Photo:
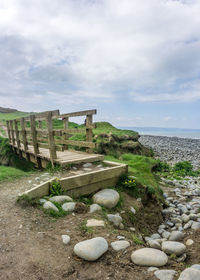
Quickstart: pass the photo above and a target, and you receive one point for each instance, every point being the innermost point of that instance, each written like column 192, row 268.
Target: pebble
column 165, row 274
column 176, row 236
column 190, row 274
column 50, row 205
column 69, row 206
column 65, row 239
column 120, row 245
column 60, row 198
column 95, row 223
column 94, row 208
column 173, row 247
column 149, row 257
column 189, row 242
column 91, row 249
column 116, row 219
column 107, row 197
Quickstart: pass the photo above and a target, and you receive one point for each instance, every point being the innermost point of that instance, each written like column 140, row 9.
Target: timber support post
column 24, row 138
column 89, row 134
column 34, row 140
column 66, row 126
column 17, row 137
column 8, row 130
column 52, row 146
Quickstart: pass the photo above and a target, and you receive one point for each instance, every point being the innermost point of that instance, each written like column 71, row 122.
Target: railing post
column 89, row 135
column 22, row 122
column 12, row 134
column 8, row 130
column 17, row 137
column 40, row 124
column 52, row 146
column 34, row 140
column 66, row 126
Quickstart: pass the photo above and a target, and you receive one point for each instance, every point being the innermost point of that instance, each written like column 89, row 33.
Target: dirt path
column 31, row 247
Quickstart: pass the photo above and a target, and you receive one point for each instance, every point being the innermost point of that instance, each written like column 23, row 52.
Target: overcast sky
column 136, row 61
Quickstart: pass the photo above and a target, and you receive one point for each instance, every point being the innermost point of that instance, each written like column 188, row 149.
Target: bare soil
column 31, row 247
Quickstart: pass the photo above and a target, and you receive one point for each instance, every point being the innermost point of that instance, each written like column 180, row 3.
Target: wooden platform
column 63, row 158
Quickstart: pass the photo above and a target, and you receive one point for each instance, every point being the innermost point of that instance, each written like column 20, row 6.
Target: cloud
column 81, row 52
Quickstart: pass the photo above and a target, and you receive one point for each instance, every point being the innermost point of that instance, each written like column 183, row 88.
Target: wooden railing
column 39, row 132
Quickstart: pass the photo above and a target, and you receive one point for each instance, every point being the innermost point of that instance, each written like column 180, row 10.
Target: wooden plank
column 24, row 138
column 52, row 148
column 89, row 135
column 78, row 114
column 66, row 127
column 34, row 140
column 12, row 133
column 8, row 129
column 76, row 143
column 17, row 134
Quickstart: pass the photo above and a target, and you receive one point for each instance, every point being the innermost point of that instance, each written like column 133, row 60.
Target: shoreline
column 173, row 149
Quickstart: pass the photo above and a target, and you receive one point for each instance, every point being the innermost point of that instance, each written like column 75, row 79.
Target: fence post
column 12, row 134
column 66, row 126
column 34, row 140
column 22, row 122
column 8, row 129
column 89, row 134
column 52, row 146
column 40, row 124
column 17, row 137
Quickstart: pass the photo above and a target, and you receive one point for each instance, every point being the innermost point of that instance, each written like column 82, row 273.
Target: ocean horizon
column 170, row 132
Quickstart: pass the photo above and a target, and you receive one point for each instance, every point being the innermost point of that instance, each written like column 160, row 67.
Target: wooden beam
column 52, row 148
column 34, row 140
column 17, row 136
column 78, row 114
column 12, row 133
column 89, row 135
column 8, row 129
column 77, row 143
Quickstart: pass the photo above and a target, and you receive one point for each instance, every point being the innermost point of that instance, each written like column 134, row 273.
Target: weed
column 137, row 240
column 55, row 188
column 84, row 229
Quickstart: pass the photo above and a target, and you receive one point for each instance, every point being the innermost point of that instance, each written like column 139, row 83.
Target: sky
column 136, row 61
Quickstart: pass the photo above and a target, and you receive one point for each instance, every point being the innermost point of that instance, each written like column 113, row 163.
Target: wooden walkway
column 36, row 139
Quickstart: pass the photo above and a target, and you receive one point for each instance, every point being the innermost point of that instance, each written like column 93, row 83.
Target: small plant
column 129, row 183
column 137, row 240
column 150, row 191
column 55, row 188
column 162, row 166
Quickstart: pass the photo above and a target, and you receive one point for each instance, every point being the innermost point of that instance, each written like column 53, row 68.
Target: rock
column 195, row 225
column 60, row 198
column 152, row 268
column 50, row 205
column 87, row 165
column 120, row 245
column 154, row 244
column 166, row 234
column 91, row 249
column 190, row 274
column 196, row 266
column 173, row 247
column 69, row 206
column 65, row 239
column 165, row 274
column 185, row 218
column 42, row 200
column 116, row 219
column 133, row 210
column 107, row 197
column 189, row 242
column 94, row 208
column 182, row 258
column 149, row 257
column 119, row 237
column 176, row 236
column 155, row 236
column 95, row 223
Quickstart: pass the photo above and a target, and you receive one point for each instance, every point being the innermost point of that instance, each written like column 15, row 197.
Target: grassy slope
column 105, row 127
column 12, row 116
column 11, row 173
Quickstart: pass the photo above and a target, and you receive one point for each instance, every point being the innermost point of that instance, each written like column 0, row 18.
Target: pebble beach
column 173, row 149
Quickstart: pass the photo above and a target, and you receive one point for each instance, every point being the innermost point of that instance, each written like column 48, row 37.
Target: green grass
column 139, row 167
column 106, row 127
column 12, row 116
column 7, row 173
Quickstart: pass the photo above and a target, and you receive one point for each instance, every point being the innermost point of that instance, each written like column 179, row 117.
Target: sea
column 171, row 132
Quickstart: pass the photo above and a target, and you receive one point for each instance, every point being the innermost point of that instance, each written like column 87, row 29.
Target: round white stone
column 176, row 236
column 120, row 245
column 94, row 208
column 173, row 247
column 190, row 274
column 189, row 242
column 69, row 206
column 91, row 249
column 95, row 223
column 50, row 205
column 60, row 198
column 149, row 257
column 65, row 238
column 165, row 274
column 107, row 197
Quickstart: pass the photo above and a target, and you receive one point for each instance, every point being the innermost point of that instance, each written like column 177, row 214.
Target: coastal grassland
column 12, row 116
column 7, row 173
